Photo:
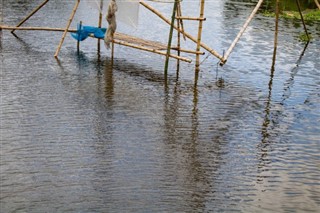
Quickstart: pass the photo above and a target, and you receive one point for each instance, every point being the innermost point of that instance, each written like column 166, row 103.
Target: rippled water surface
column 82, row 134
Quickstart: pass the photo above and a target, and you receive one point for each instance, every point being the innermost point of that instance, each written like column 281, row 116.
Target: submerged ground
column 81, row 135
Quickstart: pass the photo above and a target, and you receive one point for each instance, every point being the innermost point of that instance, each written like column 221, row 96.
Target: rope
column 111, row 19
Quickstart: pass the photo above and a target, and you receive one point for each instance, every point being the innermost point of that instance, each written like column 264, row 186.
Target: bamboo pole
column 190, row 18
column 187, row 51
column 275, row 36
column 31, row 14
column 178, row 37
column 179, row 13
column 317, row 3
column 112, row 50
column 150, row 50
column 302, row 19
column 199, row 34
column 203, row 45
column 100, row 21
column 36, row 29
column 78, row 42
column 255, row 10
column 170, row 37
column 66, row 29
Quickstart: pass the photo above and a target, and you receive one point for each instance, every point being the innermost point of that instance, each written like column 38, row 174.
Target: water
column 81, row 135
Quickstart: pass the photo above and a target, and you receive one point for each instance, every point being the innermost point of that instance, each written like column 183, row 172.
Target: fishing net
column 128, row 10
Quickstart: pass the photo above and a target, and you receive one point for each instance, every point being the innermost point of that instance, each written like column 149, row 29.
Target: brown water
column 80, row 135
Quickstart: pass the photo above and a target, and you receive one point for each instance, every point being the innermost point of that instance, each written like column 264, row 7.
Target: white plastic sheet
column 128, row 10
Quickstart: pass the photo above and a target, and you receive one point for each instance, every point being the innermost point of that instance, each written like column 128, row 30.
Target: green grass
column 304, row 38
column 313, row 15
column 308, row 15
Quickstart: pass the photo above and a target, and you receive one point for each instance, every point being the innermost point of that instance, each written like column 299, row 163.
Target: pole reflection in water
column 273, row 118
column 289, row 83
column 182, row 139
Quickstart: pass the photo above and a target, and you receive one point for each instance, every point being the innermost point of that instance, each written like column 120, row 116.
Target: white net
column 128, row 10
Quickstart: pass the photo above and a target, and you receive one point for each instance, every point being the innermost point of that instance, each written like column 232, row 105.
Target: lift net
column 128, row 10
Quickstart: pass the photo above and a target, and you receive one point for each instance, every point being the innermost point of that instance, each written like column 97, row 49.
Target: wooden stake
column 255, row 10
column 206, row 47
column 100, row 21
column 302, row 19
column 66, row 29
column 78, row 42
column 31, row 14
column 170, row 37
column 275, row 36
column 199, row 34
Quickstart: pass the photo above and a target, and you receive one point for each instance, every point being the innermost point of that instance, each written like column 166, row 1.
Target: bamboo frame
column 66, row 29
column 199, row 34
column 75, row 30
column 31, row 14
column 255, row 10
column 203, row 45
column 178, row 27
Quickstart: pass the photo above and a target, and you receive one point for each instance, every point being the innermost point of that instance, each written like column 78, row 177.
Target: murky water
column 81, row 135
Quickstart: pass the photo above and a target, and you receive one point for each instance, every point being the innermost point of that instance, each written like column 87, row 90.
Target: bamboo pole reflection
column 1, row 38
column 266, row 121
column 267, row 108
column 270, row 117
column 294, row 71
column 109, row 82
column 182, row 136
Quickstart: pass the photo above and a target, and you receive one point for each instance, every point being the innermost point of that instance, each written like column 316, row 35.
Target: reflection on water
column 87, row 134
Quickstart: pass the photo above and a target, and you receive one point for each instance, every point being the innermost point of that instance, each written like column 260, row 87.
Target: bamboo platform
column 120, row 39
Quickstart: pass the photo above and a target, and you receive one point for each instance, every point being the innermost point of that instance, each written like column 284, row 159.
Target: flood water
column 82, row 134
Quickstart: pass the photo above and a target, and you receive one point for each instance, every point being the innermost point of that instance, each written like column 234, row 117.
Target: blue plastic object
column 83, row 32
